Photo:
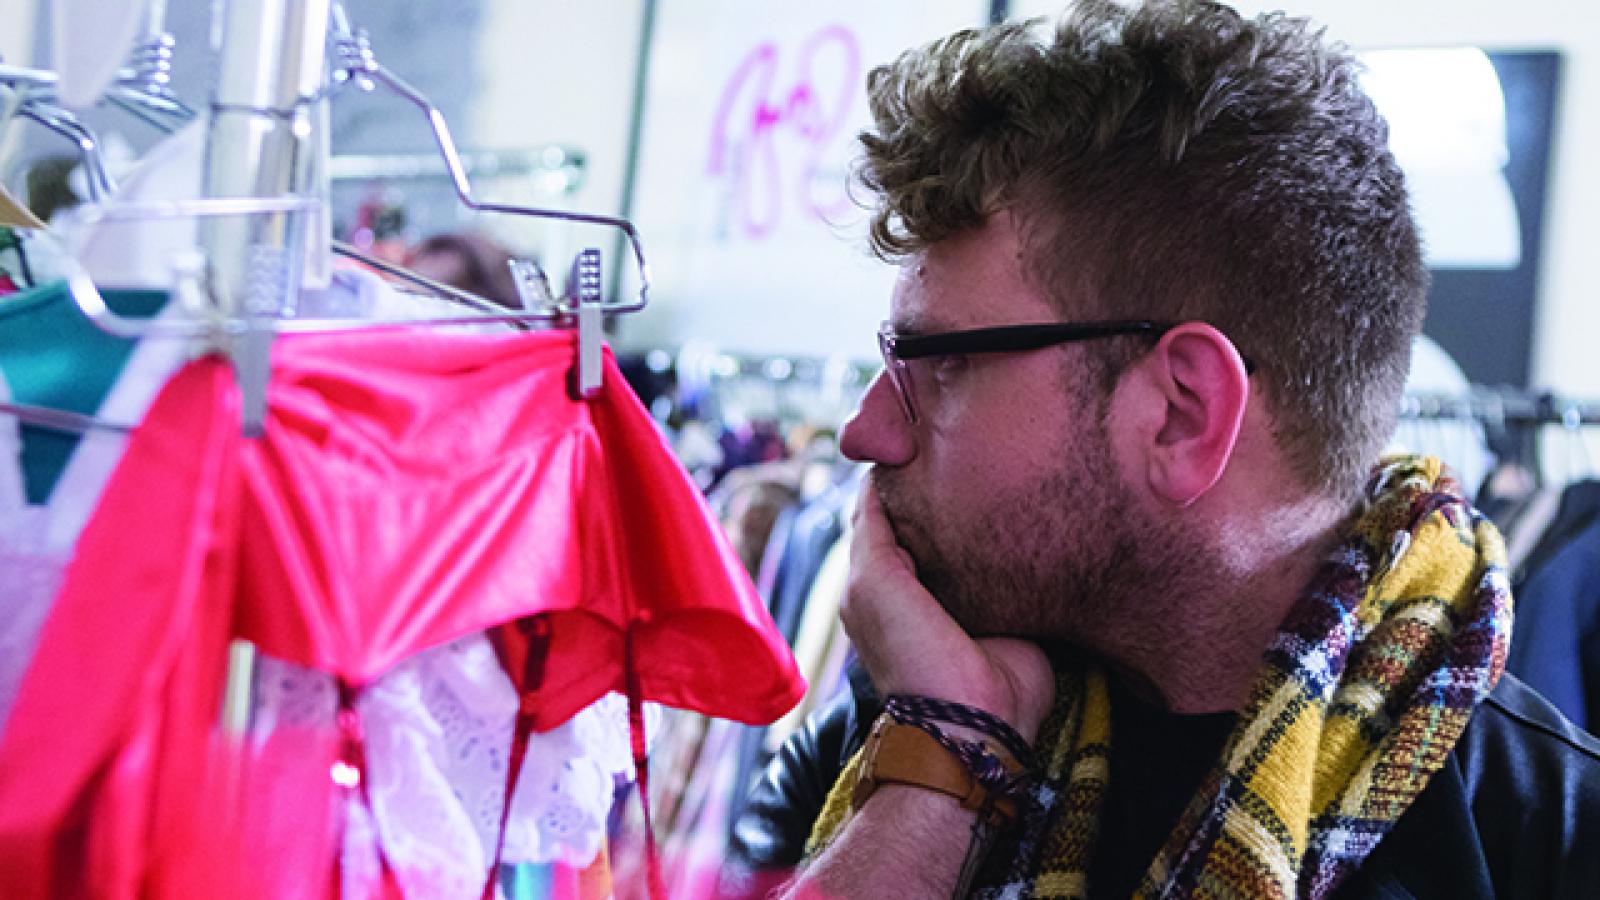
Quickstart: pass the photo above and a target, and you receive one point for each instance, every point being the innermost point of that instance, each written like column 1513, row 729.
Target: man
column 1147, row 619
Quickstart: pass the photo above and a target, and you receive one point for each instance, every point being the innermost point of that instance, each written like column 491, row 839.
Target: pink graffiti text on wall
column 754, row 110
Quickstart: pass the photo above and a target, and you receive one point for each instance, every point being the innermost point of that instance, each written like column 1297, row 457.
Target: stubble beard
column 1065, row 558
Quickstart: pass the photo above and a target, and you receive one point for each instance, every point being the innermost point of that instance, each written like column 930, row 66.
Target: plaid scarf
column 1363, row 693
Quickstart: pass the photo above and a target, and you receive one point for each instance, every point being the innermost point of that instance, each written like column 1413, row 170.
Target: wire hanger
column 142, row 90
column 356, row 64
column 247, row 338
column 438, row 288
column 60, row 419
column 33, row 90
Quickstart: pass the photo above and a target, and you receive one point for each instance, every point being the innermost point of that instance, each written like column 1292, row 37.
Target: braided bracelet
column 990, row 771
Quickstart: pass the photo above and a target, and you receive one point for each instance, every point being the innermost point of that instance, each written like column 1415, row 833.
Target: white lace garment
column 438, row 734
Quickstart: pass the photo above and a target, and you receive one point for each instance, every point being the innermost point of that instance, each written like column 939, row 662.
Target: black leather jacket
column 1514, row 813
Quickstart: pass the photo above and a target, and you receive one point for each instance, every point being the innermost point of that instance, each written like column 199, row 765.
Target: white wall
column 557, row 73
column 561, row 73
column 749, row 133
column 1567, row 312
column 16, row 31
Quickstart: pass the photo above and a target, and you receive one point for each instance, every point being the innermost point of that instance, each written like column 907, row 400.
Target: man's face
column 1006, row 491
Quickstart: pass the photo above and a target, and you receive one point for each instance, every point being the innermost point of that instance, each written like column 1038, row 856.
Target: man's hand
column 910, row 645
column 906, row 841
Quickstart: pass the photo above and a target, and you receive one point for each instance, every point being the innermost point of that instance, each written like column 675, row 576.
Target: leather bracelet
column 984, row 760
column 913, row 709
column 898, row 753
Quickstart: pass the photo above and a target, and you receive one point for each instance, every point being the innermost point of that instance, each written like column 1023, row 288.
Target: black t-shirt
column 1158, row 759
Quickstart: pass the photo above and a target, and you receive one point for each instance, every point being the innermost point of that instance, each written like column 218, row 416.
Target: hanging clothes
column 1555, row 646
column 810, row 535
column 134, row 254
column 1461, row 443
column 32, row 567
column 44, row 515
column 65, row 362
column 410, row 488
column 436, row 729
column 1576, row 509
column 15, row 272
column 749, row 501
column 821, row 648
column 815, row 529
column 53, row 356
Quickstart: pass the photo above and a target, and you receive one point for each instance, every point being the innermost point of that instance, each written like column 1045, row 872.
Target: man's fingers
column 884, row 596
column 871, row 524
column 908, row 642
column 873, row 533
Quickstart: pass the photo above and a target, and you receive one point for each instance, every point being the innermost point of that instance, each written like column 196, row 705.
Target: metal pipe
column 60, row 419
column 155, row 18
column 18, row 75
column 630, row 165
column 270, row 61
column 271, row 58
column 548, row 159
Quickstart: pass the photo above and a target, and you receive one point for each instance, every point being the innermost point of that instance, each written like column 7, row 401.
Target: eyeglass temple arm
column 1015, row 338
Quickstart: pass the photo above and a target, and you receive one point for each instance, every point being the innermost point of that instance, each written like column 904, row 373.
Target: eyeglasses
column 897, row 349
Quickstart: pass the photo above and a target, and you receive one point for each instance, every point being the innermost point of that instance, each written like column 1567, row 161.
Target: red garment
column 411, row 487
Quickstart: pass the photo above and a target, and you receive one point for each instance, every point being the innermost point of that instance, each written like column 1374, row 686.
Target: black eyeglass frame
column 896, row 349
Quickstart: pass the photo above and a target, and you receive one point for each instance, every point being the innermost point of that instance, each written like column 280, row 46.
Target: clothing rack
column 1502, row 406
column 264, row 230
column 556, row 167
column 703, row 363
column 709, row 384
column 263, row 227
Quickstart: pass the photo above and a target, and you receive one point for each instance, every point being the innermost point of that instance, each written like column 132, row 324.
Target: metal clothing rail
column 777, row 367
column 1503, row 406
column 548, row 161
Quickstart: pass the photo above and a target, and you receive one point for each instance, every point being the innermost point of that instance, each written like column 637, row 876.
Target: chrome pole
column 261, row 135
column 260, row 143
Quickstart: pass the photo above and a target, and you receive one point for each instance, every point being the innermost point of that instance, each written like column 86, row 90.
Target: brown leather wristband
column 905, row 754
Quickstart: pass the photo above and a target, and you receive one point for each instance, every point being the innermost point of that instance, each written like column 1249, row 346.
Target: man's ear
column 1200, row 381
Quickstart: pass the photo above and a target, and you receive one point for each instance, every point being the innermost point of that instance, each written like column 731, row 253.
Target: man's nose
column 878, row 432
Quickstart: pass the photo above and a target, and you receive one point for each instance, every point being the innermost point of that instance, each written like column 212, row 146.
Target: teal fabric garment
column 14, row 274
column 51, row 355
